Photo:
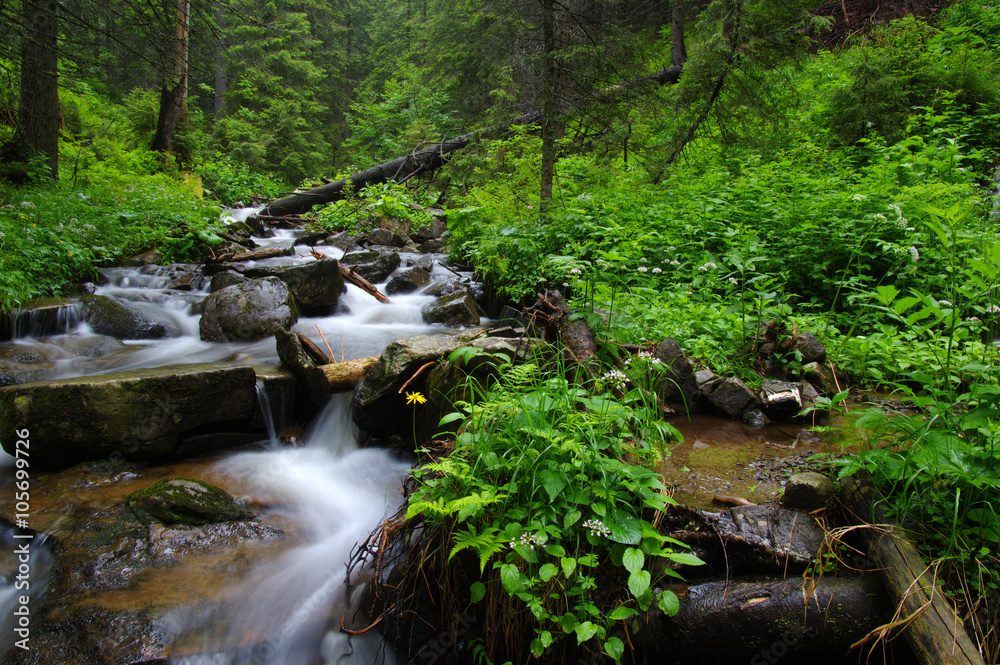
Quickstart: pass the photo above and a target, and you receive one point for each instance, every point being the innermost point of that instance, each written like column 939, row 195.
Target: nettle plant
column 549, row 486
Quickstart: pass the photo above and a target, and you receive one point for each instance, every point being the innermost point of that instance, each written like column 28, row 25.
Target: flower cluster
column 643, row 355
column 526, row 540
column 597, row 528
column 708, row 266
column 993, row 309
column 914, row 254
column 643, row 269
column 616, row 378
column 657, row 271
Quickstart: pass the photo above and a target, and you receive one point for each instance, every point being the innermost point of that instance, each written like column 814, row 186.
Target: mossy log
column 935, row 633
column 362, row 283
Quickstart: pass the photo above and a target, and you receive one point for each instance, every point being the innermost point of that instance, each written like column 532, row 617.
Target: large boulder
column 455, row 310
column 373, row 265
column 139, row 414
column 185, row 501
column 679, row 388
column 250, row 311
column 119, row 318
column 732, row 397
column 315, row 285
column 408, row 281
column 388, row 238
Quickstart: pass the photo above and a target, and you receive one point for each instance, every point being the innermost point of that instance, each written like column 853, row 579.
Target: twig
column 328, row 344
column 363, row 630
column 415, row 375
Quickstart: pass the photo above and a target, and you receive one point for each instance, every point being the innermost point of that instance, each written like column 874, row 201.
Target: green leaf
column 477, row 592
column 638, row 582
column 585, row 631
column 510, row 577
column 572, row 517
column 555, row 549
column 568, row 565
column 669, row 603
column 621, row 613
column 685, row 559
column 623, row 528
column 451, row 417
column 615, row 648
column 633, row 560
column 547, row 571
column 552, row 482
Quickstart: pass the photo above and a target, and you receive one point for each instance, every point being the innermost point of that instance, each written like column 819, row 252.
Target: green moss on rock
column 185, row 501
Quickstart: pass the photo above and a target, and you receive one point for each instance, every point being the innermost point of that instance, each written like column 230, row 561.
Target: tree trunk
column 428, row 159
column 548, row 105
column 221, row 75
column 678, row 52
column 37, row 128
column 173, row 91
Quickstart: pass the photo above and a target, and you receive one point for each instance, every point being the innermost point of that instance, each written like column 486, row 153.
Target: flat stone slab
column 139, row 414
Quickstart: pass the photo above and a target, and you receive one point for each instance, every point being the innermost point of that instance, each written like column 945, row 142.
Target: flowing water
column 271, row 603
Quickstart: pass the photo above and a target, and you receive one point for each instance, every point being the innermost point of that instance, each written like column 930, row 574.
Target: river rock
column 808, row 491
column 455, row 310
column 373, row 265
column 315, row 285
column 246, row 312
column 343, row 241
column 388, row 238
column 185, row 501
column 153, row 257
column 226, row 278
column 770, row 538
column 679, row 388
column 107, row 315
column 138, row 414
column 14, row 373
column 260, row 229
column 822, row 377
column 408, row 281
column 43, row 316
column 812, row 349
column 732, row 397
column 781, row 397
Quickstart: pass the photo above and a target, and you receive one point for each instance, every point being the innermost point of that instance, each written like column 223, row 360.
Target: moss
column 184, row 501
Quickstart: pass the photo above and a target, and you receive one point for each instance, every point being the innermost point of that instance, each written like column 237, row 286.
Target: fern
column 486, row 544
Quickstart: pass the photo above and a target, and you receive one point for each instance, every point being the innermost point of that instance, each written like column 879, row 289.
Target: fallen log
column 256, row 255
column 429, row 158
column 338, row 377
column 362, row 283
column 935, row 633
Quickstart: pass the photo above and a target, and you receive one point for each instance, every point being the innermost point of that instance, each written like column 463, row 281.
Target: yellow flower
column 415, row 398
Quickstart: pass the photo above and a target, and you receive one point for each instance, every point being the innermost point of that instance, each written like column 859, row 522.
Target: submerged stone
column 185, row 501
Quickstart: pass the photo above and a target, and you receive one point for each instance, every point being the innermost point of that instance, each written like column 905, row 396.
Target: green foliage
column 230, row 181
column 388, row 205
column 548, row 482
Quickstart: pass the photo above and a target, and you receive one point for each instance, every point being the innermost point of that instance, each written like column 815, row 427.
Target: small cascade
column 266, row 413
column 47, row 317
column 14, row 584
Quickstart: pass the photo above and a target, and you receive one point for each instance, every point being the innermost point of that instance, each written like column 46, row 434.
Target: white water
column 330, row 492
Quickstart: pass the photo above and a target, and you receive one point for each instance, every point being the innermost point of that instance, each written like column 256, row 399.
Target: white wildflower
column 944, row 303
column 643, row 269
column 993, row 309
column 970, row 319
column 858, row 197
column 914, row 254
column 597, row 528
column 675, row 262
column 734, row 281
column 657, row 271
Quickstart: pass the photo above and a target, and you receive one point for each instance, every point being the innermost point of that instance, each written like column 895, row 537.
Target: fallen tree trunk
column 362, row 283
column 338, row 377
column 935, row 633
column 430, row 158
column 255, row 255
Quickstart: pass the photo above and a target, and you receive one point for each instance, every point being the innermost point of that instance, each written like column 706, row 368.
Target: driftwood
column 429, row 158
column 932, row 628
column 338, row 377
column 256, row 255
column 362, row 283
column 312, row 348
column 289, row 222
column 552, row 312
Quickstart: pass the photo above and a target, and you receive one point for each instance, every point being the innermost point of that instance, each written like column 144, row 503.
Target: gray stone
column 822, row 377
column 388, row 238
column 782, row 536
column 14, row 373
column 315, row 285
column 260, row 229
column 343, row 241
column 408, row 281
column 812, row 349
column 226, row 278
column 185, row 501
column 372, row 265
column 153, row 257
column 755, row 418
column 119, row 318
column 808, row 491
column 438, row 289
column 781, row 397
column 455, row 310
column 246, row 312
column 679, row 388
column 139, row 414
column 732, row 397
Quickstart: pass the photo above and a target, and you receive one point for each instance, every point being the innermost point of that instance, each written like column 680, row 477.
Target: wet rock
column 431, row 231
column 226, row 278
column 408, row 281
column 781, row 397
column 707, row 381
column 388, row 238
column 373, row 265
column 315, row 285
column 808, row 491
column 237, row 238
column 755, row 417
column 455, row 310
column 15, row 373
column 21, row 353
column 138, row 414
column 343, row 241
column 822, row 377
column 153, row 257
column 44, row 316
column 424, row 261
column 246, row 312
column 679, row 389
column 812, row 349
column 773, row 537
column 119, row 318
column 260, row 229
column 732, row 397
column 186, row 502
column 186, row 280
column 431, row 246
column 439, row 289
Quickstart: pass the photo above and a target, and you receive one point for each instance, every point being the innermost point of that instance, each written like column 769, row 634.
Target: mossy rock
column 185, row 501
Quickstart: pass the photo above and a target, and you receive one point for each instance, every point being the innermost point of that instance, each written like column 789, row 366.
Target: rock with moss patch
column 185, row 501
column 125, row 320
column 246, row 312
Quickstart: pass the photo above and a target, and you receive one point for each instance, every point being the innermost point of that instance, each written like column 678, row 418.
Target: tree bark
column 221, row 77
column 428, row 159
column 678, row 52
column 173, row 91
column 338, row 377
column 37, row 128
column 548, row 105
